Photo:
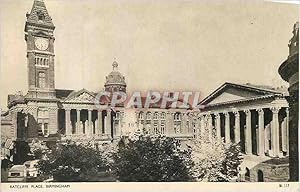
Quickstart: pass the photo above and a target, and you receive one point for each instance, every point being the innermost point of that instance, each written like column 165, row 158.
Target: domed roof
column 115, row 77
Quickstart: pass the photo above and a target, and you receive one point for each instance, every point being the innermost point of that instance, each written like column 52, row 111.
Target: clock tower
column 40, row 52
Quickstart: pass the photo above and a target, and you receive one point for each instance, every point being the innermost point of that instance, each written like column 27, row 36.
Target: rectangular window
column 162, row 127
column 42, row 80
column 46, row 132
column 15, row 174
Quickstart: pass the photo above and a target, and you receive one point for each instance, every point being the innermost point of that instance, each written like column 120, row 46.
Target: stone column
column 227, row 127
column 172, row 131
column 248, row 135
column 137, row 120
column 100, row 126
column 218, row 126
column 275, row 132
column 78, row 122
column 202, row 128
column 108, row 122
column 168, row 123
column 190, row 126
column 210, row 128
column 159, row 122
column 68, row 121
column 89, row 131
column 237, row 127
column 145, row 122
column 183, row 123
column 261, row 133
column 152, row 132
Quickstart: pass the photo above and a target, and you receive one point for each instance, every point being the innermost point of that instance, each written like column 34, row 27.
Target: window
column 162, row 127
column 40, row 16
column 247, row 174
column 155, row 116
column 15, row 174
column 45, row 129
column 177, row 116
column 117, row 115
column 42, row 80
column 260, row 176
column 163, row 115
column 141, row 115
column 148, row 115
column 156, row 131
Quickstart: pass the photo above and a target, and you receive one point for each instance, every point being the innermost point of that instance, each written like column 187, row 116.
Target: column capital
column 287, row 110
column 247, row 111
column 226, row 113
column 217, row 115
column 67, row 109
column 275, row 109
column 260, row 110
column 208, row 116
column 236, row 113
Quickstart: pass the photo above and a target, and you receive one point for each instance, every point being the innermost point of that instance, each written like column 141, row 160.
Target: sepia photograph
column 192, row 92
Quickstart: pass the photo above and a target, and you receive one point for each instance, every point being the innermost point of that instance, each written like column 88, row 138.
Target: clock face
column 41, row 43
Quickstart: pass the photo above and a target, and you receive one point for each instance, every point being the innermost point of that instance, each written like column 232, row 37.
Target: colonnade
column 261, row 131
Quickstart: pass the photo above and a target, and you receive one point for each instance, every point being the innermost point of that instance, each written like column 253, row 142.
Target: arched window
column 148, row 116
column 141, row 115
column 247, row 174
column 260, row 176
column 177, row 117
column 163, row 115
column 42, row 80
column 40, row 16
column 155, row 116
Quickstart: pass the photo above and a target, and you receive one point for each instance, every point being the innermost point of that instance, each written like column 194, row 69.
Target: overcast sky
column 189, row 45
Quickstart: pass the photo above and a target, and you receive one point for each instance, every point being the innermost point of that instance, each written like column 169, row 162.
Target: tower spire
column 115, row 64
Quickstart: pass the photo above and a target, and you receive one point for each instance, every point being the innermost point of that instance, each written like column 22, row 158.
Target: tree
column 215, row 161
column 152, row 159
column 73, row 162
column 38, row 149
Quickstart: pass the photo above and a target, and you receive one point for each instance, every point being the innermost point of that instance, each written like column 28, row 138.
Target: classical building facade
column 254, row 116
column 257, row 118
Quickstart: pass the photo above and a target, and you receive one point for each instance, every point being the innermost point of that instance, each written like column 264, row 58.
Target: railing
column 86, row 136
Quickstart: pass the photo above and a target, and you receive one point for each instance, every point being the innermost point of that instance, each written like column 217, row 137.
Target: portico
column 80, row 118
column 259, row 124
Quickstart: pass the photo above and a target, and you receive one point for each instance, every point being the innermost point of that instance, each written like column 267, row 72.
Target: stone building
column 254, row 116
column 257, row 118
column 51, row 114
column 289, row 71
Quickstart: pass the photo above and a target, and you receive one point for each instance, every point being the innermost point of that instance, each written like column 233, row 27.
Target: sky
column 178, row 45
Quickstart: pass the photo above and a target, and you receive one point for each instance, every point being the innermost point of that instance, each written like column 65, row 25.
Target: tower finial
column 115, row 64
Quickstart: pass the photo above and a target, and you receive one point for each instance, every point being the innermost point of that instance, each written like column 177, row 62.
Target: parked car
column 17, row 174
column 31, row 170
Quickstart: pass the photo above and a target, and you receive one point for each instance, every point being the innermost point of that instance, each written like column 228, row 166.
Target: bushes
column 142, row 158
column 215, row 161
column 72, row 162
column 151, row 159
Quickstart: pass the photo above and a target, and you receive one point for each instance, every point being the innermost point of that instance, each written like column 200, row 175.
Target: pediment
column 82, row 96
column 230, row 92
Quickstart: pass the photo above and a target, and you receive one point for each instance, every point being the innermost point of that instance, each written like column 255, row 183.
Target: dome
column 115, row 81
column 115, row 77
